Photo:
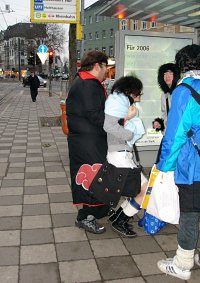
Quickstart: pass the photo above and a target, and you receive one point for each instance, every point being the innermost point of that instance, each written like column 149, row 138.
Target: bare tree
column 56, row 36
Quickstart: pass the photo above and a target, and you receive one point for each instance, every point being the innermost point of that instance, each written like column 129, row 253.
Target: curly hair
column 91, row 58
column 163, row 69
column 128, row 85
column 188, row 58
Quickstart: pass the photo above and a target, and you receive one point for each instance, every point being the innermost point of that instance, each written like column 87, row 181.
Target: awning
column 185, row 12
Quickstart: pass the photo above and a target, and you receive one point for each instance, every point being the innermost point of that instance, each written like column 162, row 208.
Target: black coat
column 34, row 82
column 87, row 141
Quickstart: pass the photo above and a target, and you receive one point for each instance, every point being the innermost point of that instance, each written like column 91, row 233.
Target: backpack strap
column 194, row 93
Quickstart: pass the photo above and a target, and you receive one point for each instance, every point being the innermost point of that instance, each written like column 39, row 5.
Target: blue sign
column 38, row 7
column 43, row 48
column 38, row 1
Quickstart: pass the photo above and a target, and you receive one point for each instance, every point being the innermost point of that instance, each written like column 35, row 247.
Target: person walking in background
column 168, row 76
column 123, row 129
column 34, row 83
column 181, row 153
column 87, row 141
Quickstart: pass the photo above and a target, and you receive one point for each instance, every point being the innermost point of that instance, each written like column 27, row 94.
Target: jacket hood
column 164, row 68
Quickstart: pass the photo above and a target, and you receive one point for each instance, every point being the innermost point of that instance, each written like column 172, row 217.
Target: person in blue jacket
column 180, row 154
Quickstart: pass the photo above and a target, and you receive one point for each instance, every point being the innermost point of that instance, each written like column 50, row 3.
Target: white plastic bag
column 164, row 199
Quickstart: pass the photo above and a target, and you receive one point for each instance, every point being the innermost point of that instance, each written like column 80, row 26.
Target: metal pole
column 82, row 23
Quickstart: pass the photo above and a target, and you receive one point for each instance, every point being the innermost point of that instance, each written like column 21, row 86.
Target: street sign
column 43, row 56
column 43, row 48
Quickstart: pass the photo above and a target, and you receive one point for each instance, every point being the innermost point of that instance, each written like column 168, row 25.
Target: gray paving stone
column 117, row 267
column 163, row 278
column 109, row 234
column 107, row 247
column 36, row 190
column 56, row 189
column 74, row 251
column 38, row 254
column 12, row 183
column 9, row 191
column 16, row 176
column 10, row 200
column 57, row 168
column 36, row 209
column 62, row 208
column 143, row 262
column 62, row 197
column 10, row 238
column 69, row 274
column 167, row 242
column 36, row 221
column 14, row 210
column 64, row 219
column 35, row 175
column 9, row 256
column 16, row 170
column 54, row 181
column 9, row 274
column 32, row 199
column 127, row 280
column 69, row 234
column 37, row 236
column 39, row 273
column 10, row 223
column 34, row 182
column 35, row 169
column 143, row 244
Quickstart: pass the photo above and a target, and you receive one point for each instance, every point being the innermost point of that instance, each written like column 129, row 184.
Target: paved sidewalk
column 38, row 240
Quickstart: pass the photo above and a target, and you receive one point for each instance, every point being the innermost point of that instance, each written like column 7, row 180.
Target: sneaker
column 90, row 225
column 197, row 259
column 169, row 267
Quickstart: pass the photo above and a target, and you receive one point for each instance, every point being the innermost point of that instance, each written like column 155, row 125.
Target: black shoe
column 113, row 215
column 90, row 225
column 121, row 226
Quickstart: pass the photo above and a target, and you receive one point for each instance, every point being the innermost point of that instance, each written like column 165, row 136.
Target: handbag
column 111, row 182
column 164, row 199
column 64, row 117
column 151, row 224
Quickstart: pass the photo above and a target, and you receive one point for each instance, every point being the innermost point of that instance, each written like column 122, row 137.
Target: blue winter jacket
column 178, row 152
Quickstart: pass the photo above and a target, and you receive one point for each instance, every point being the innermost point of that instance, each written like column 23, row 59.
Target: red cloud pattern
column 86, row 174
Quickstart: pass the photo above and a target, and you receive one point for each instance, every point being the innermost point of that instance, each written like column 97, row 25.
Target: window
column 84, row 37
column 96, row 18
column 123, row 24
column 96, row 35
column 90, row 19
column 143, row 25
column 84, row 21
column 154, row 24
column 111, row 53
column 104, row 49
column 104, row 18
column 103, row 33
column 90, row 36
column 22, row 62
column 135, row 25
column 111, row 32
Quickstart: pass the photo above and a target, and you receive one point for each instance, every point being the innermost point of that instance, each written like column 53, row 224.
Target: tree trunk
column 72, row 54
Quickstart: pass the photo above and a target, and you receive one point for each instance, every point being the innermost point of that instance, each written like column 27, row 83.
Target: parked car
column 65, row 77
column 25, row 81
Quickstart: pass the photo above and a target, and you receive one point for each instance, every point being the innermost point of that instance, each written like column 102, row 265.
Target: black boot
column 114, row 214
column 120, row 224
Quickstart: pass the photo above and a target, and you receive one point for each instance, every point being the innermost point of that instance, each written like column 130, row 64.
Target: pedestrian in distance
column 181, row 153
column 124, row 128
column 34, row 83
column 87, row 140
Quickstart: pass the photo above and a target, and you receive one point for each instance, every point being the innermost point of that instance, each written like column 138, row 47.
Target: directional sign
column 43, row 48
column 43, row 56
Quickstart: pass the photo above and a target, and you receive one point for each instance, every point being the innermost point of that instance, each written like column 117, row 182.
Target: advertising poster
column 143, row 55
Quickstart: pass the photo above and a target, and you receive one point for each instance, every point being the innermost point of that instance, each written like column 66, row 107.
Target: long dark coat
column 87, row 141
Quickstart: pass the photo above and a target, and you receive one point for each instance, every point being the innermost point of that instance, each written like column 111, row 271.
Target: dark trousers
column 34, row 93
column 97, row 211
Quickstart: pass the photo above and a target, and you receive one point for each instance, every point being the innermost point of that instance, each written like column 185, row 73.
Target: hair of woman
column 163, row 69
column 128, row 85
column 188, row 58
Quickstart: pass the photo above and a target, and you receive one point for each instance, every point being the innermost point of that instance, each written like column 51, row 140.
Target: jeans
column 188, row 230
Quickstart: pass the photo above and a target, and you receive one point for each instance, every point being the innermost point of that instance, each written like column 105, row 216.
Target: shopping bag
column 153, row 175
column 164, row 199
column 151, row 224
